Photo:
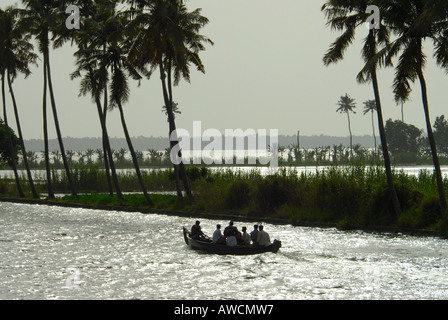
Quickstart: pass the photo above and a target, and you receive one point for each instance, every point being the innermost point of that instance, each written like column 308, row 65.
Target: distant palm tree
column 70, row 155
column 81, row 156
column 16, row 55
column 346, row 105
column 370, row 106
column 99, row 155
column 40, row 18
column 89, row 155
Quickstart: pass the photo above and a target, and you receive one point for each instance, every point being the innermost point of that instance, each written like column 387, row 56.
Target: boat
column 208, row 246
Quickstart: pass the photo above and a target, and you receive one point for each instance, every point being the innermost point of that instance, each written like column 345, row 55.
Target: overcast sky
column 265, row 71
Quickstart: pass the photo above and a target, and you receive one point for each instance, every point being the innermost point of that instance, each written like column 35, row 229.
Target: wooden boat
column 208, row 246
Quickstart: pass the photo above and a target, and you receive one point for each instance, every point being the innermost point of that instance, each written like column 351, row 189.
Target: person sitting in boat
column 230, row 230
column 263, row 238
column 217, row 234
column 254, row 235
column 245, row 237
column 196, row 232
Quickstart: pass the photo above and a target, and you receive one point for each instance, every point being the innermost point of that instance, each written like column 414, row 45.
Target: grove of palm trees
column 161, row 41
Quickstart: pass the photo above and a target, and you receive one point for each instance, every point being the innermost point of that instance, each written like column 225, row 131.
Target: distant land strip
column 160, row 143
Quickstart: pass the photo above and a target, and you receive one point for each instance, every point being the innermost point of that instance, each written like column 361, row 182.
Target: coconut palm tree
column 16, row 55
column 346, row 16
column 105, row 45
column 370, row 106
column 40, row 18
column 167, row 38
column 413, row 22
column 114, row 58
column 5, row 30
column 90, row 40
column 346, row 105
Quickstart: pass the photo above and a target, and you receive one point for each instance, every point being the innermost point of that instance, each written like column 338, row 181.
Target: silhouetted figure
column 254, row 235
column 196, row 232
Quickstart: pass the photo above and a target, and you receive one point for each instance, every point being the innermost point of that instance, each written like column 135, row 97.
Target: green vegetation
column 348, row 197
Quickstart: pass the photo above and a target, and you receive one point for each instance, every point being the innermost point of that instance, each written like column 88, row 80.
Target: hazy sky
column 265, row 71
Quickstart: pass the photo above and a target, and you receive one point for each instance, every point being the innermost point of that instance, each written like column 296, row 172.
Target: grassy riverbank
column 347, row 197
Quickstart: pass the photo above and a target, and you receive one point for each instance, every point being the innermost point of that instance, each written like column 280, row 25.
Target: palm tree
column 413, row 22
column 370, row 106
column 40, row 18
column 402, row 111
column 340, row 17
column 167, row 38
column 70, row 155
column 89, row 155
column 89, row 39
column 16, row 55
column 6, row 26
column 346, row 105
column 114, row 58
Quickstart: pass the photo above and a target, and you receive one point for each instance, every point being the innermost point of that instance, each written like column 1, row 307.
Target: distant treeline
column 161, row 143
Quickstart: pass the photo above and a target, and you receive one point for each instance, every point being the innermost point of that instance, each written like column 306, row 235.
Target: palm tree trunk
column 105, row 144
column 107, row 169
column 387, row 165
column 172, row 125
column 58, row 130
column 182, row 172
column 350, row 131
column 134, row 157
column 374, row 135
column 108, row 149
column 432, row 143
column 402, row 113
column 45, row 124
column 22, row 144
column 10, row 144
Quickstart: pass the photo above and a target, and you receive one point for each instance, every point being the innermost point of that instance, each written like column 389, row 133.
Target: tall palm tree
column 370, row 106
column 114, row 58
column 413, row 22
column 16, row 55
column 346, row 16
column 5, row 27
column 91, row 40
column 167, row 38
column 40, row 18
column 346, row 105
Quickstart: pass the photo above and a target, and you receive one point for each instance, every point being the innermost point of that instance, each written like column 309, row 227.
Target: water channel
column 66, row 253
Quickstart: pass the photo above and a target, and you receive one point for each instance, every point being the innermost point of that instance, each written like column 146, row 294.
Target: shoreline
column 196, row 215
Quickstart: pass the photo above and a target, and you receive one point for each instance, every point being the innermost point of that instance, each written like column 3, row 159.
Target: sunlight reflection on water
column 61, row 253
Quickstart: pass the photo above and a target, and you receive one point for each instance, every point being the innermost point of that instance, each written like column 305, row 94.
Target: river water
column 263, row 170
column 66, row 253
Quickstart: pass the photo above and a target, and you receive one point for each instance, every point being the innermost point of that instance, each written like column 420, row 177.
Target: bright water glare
column 64, row 253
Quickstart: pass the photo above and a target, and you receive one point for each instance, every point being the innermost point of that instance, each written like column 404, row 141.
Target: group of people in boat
column 231, row 236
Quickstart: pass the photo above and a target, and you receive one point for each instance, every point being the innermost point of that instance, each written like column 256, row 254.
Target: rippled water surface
column 60, row 253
